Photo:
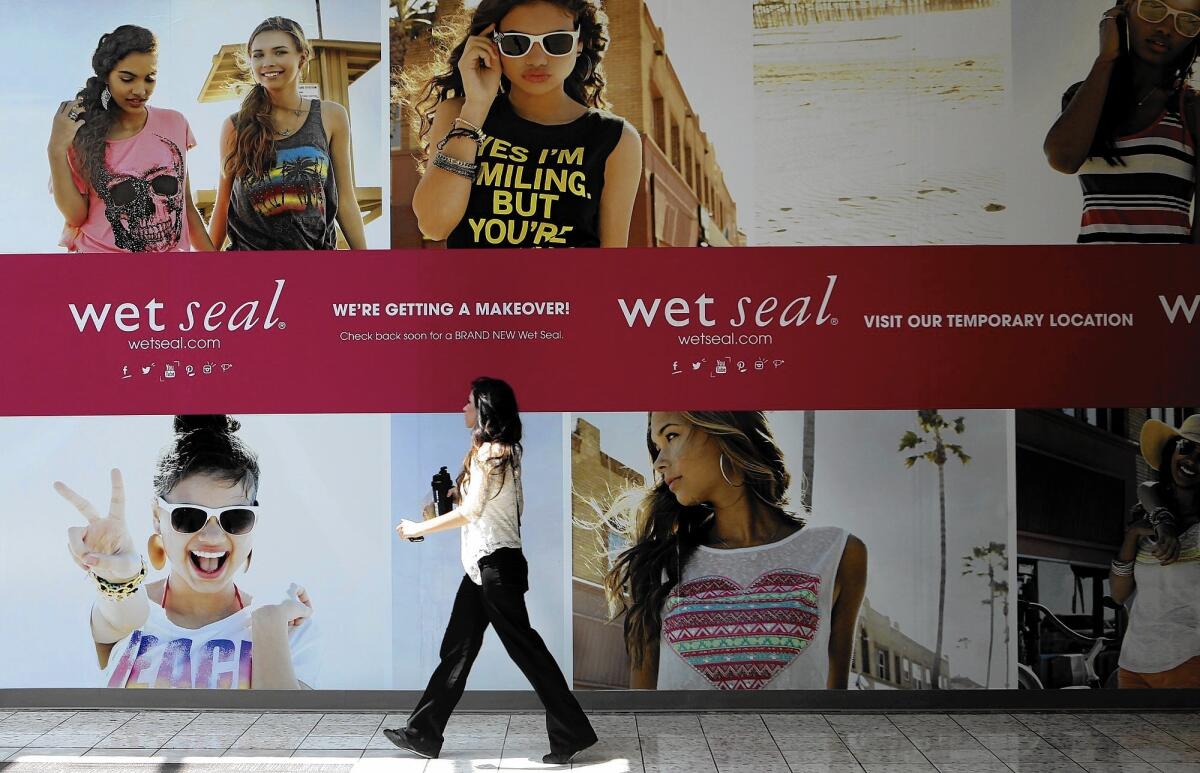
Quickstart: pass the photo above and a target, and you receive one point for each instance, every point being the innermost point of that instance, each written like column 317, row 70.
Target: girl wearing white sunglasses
column 1130, row 129
column 520, row 151
column 194, row 627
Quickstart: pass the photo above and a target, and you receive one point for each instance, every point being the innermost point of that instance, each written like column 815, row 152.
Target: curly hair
column 664, row 533
column 426, row 88
column 89, row 143
column 254, row 147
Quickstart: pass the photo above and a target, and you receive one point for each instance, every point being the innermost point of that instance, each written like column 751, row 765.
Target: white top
column 753, row 618
column 218, row 655
column 1164, row 614
column 492, row 510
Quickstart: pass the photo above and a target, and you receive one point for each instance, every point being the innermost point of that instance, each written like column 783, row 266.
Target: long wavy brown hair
column 664, row 534
column 89, row 143
column 426, row 88
column 254, row 145
column 498, row 422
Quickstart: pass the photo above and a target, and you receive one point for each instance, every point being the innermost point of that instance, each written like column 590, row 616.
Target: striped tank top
column 1147, row 200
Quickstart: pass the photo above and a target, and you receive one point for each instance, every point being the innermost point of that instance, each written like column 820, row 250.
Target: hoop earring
column 105, row 97
column 156, row 551
column 721, row 464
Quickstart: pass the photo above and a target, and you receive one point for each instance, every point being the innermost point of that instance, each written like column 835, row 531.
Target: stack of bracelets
column 467, row 169
column 120, row 590
column 1122, row 568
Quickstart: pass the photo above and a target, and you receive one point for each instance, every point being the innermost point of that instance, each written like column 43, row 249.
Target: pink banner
column 813, row 328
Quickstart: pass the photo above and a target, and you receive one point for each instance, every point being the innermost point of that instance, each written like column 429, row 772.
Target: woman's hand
column 295, row 608
column 67, row 122
column 1166, row 544
column 409, row 529
column 1110, row 33
column 104, row 545
column 479, row 67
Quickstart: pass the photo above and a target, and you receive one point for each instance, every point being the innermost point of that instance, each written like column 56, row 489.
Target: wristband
column 119, row 590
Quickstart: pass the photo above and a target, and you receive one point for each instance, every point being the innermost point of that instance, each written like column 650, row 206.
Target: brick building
column 886, row 658
column 682, row 199
column 600, row 658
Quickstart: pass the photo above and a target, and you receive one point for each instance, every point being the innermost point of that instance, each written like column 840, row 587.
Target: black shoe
column 405, row 741
column 564, row 758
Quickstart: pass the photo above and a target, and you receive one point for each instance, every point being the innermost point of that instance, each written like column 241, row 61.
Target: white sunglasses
column 517, row 44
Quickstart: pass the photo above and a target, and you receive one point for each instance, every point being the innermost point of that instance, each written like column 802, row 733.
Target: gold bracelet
column 120, row 590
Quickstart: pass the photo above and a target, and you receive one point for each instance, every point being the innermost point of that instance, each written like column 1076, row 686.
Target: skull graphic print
column 145, row 208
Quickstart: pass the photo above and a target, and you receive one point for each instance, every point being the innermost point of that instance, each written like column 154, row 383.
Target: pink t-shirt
column 138, row 205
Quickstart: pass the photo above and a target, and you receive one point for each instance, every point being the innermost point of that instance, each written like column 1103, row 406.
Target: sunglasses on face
column 1154, row 11
column 518, row 44
column 1186, row 447
column 189, row 519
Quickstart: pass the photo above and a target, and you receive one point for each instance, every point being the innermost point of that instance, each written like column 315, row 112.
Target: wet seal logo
column 129, row 316
column 677, row 312
column 1180, row 305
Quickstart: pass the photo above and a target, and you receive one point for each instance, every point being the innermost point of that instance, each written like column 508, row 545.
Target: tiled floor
column 641, row 743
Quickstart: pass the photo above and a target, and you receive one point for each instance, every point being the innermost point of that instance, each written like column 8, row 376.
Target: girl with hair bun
column 713, row 546
column 524, row 153
column 194, row 627
column 118, row 166
column 286, row 173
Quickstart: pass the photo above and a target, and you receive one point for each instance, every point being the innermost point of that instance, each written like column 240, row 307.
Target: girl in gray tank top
column 286, row 176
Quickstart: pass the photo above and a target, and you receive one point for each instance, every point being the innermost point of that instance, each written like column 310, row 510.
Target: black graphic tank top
column 294, row 205
column 538, row 185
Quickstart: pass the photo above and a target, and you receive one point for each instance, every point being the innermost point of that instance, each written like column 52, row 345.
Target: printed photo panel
column 679, row 81
column 320, row 486
column 1118, row 165
column 881, row 122
column 1107, row 547
column 197, row 79
column 762, row 615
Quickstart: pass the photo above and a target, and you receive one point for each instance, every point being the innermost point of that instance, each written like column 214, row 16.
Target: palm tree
column 410, row 21
column 988, row 562
column 931, row 425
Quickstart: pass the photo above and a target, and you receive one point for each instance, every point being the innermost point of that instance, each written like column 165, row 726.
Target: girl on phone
column 1129, row 130
column 492, row 591
column 286, row 174
column 714, row 547
column 118, row 167
column 194, row 627
column 525, row 155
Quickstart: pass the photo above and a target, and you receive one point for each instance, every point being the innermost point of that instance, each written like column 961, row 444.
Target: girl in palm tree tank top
column 294, row 205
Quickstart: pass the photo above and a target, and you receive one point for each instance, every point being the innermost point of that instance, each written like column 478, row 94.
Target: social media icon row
column 724, row 365
column 175, row 369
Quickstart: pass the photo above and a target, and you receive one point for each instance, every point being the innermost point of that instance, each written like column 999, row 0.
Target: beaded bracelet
column 119, row 590
column 467, row 124
column 456, row 166
column 475, row 136
column 1161, row 515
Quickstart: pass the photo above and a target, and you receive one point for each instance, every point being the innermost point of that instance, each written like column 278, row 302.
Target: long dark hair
column 497, row 422
column 254, row 145
column 1121, row 98
column 90, row 140
column 664, row 534
column 426, row 90
column 207, row 445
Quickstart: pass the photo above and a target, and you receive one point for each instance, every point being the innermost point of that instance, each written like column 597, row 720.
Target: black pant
column 500, row 600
